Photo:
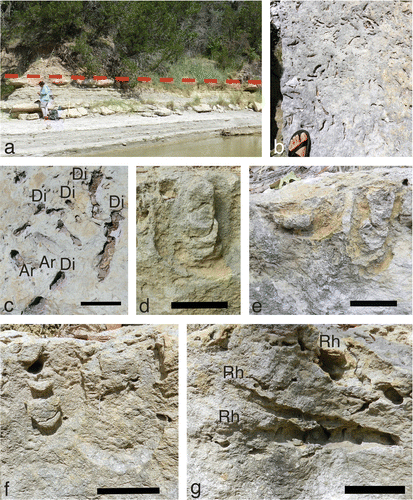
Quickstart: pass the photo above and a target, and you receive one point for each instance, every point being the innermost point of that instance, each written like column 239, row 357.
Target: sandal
column 298, row 145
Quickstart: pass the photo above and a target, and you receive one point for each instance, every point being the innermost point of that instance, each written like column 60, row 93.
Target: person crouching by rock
column 45, row 99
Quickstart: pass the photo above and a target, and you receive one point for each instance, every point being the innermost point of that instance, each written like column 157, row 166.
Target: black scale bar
column 360, row 490
column 373, row 303
column 199, row 305
column 127, row 491
column 101, row 303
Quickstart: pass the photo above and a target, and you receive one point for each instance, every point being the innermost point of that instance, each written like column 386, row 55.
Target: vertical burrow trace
column 111, row 228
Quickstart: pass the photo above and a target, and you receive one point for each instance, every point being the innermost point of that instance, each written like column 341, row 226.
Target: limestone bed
column 346, row 75
column 78, row 415
column 188, row 243
column 64, row 239
column 336, row 235
column 312, row 418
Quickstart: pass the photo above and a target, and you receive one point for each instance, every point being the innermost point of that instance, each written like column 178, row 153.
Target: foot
column 299, row 144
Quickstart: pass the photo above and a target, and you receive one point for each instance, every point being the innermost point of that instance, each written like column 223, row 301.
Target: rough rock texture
column 80, row 415
column 330, row 238
column 347, row 75
column 85, row 332
column 311, row 420
column 85, row 230
column 93, row 97
column 188, row 238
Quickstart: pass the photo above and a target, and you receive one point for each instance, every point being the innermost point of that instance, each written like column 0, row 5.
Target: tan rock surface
column 84, row 230
column 311, row 419
column 78, row 415
column 330, row 238
column 188, row 245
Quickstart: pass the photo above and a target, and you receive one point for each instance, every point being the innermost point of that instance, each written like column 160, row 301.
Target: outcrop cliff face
column 347, row 75
column 188, row 243
column 64, row 239
column 78, row 415
column 305, row 419
column 331, row 238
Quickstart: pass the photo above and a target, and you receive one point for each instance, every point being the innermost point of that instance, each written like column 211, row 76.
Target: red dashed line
column 140, row 79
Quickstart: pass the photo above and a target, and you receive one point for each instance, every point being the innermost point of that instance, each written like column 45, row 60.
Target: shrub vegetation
column 129, row 38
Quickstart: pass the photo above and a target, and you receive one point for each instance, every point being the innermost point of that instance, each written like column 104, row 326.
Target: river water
column 245, row 145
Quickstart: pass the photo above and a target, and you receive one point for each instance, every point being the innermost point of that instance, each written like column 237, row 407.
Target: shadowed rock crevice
column 35, row 306
column 58, row 279
column 112, row 234
column 36, row 367
column 304, row 421
column 332, row 362
column 329, row 239
column 95, row 181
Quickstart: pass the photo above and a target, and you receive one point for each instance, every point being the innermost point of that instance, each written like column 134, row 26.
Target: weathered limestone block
column 188, row 230
column 305, row 418
column 22, row 107
column 32, row 116
column 104, row 110
column 74, row 113
column 92, row 83
column 63, row 242
column 202, row 108
column 330, row 238
column 163, row 112
column 70, row 97
column 78, row 415
column 347, row 75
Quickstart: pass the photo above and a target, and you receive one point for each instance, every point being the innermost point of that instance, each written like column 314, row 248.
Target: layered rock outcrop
column 295, row 418
column 78, row 415
column 330, row 238
column 64, row 240
column 77, row 97
column 347, row 75
column 188, row 243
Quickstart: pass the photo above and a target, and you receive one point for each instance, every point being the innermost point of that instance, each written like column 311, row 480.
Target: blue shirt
column 45, row 93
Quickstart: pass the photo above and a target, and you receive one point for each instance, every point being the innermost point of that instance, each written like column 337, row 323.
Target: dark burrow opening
column 36, row 367
column 60, row 276
column 391, row 394
column 333, row 362
column 19, row 177
column 37, row 301
column 165, row 418
column 319, row 435
column 167, row 185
